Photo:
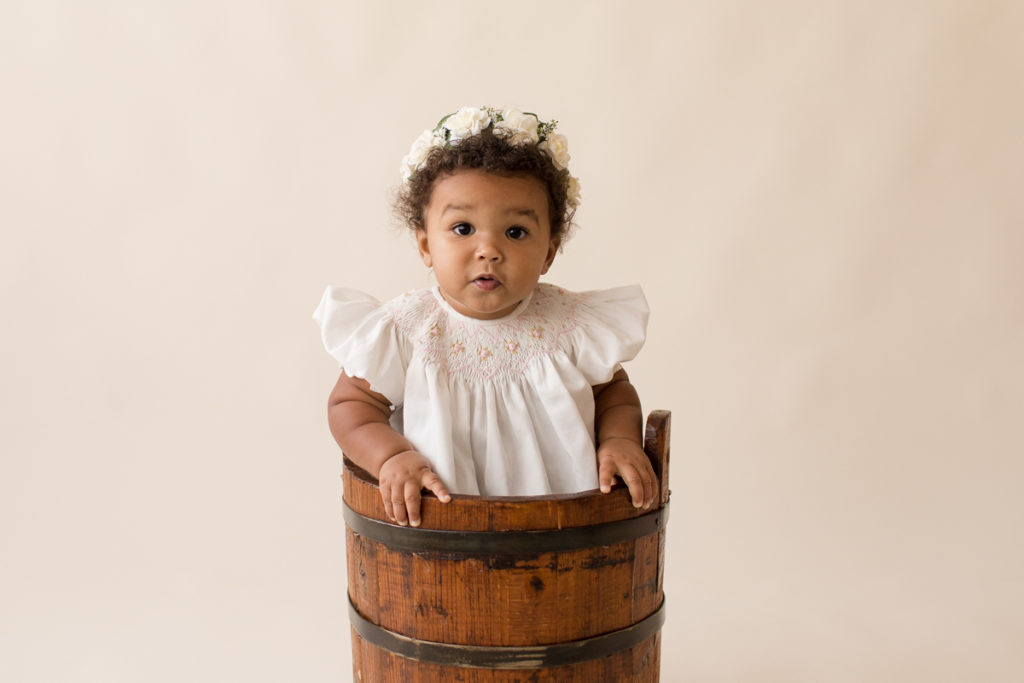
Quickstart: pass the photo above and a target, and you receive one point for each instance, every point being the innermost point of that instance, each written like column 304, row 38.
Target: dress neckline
column 477, row 321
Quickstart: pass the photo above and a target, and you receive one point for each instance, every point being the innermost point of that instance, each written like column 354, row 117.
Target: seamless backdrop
column 822, row 201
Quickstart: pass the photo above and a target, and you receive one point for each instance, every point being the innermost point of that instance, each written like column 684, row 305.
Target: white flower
column 516, row 126
column 522, row 128
column 421, row 146
column 573, row 197
column 408, row 168
column 557, row 147
column 466, row 122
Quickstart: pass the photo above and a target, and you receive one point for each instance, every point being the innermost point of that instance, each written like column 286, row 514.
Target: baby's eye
column 516, row 233
column 463, row 229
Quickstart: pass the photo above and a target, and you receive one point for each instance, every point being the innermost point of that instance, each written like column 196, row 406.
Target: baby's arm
column 359, row 420
column 618, row 421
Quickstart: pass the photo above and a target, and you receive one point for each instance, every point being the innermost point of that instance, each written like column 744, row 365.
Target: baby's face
column 488, row 238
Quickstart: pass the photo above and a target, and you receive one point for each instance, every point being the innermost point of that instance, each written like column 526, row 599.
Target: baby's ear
column 552, row 250
column 424, row 247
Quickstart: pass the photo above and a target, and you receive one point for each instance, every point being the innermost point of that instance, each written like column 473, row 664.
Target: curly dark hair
column 490, row 153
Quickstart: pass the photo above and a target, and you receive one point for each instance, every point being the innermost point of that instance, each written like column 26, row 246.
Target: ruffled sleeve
column 360, row 333
column 610, row 330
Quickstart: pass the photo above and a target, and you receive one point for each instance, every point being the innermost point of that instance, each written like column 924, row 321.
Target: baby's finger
column 635, row 484
column 398, row 504
column 385, row 498
column 412, row 501
column 433, row 483
column 646, row 475
column 606, row 476
column 652, row 481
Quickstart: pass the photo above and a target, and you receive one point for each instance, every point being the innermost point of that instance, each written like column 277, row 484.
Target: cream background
column 822, row 200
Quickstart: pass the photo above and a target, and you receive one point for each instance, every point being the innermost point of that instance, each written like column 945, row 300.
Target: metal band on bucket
column 507, row 542
column 507, row 657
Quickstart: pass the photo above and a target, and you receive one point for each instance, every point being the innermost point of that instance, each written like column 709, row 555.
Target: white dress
column 500, row 407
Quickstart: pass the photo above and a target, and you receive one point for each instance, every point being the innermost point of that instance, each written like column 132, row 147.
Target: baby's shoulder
column 591, row 313
column 555, row 303
column 413, row 310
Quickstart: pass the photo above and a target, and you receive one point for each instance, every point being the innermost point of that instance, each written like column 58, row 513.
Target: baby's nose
column 487, row 251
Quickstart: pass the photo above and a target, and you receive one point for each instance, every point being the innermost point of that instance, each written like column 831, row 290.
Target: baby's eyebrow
column 529, row 213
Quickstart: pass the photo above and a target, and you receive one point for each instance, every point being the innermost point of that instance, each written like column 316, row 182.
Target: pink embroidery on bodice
column 483, row 350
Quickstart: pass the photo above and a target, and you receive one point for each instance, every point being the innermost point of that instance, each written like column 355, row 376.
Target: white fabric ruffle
column 360, row 334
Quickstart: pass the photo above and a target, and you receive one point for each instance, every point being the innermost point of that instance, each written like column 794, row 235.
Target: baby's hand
column 401, row 478
column 625, row 458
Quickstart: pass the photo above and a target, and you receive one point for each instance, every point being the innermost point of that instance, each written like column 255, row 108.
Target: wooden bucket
column 548, row 588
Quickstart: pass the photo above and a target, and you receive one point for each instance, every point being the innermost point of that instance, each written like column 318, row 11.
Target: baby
column 490, row 383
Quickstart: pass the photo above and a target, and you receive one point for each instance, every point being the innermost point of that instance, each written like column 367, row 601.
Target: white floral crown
column 520, row 127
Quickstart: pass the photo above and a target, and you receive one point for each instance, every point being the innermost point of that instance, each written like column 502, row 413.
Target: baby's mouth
column 487, row 283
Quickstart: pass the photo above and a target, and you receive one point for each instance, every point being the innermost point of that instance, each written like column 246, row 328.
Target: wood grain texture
column 510, row 598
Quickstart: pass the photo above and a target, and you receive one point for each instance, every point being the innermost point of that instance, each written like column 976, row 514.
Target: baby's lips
column 487, row 282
